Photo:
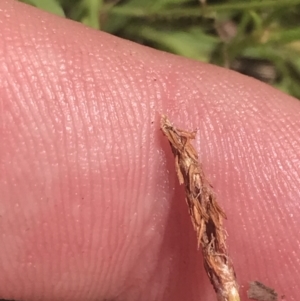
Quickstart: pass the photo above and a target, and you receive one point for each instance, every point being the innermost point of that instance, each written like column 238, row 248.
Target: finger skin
column 90, row 206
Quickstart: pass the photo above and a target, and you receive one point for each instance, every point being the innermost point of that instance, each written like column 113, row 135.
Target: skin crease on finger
column 90, row 206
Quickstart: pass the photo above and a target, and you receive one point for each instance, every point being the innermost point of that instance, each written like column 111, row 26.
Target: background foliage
column 260, row 38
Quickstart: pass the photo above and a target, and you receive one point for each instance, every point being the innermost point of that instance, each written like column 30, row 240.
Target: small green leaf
column 51, row 6
column 92, row 9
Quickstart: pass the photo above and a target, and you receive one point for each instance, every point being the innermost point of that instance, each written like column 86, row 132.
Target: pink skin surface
column 90, row 207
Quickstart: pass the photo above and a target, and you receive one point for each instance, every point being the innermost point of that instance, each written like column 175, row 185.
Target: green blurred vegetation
column 260, row 38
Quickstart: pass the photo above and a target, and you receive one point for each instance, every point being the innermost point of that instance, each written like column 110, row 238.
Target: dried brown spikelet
column 206, row 214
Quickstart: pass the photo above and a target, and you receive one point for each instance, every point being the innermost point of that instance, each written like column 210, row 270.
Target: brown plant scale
column 260, row 292
column 206, row 214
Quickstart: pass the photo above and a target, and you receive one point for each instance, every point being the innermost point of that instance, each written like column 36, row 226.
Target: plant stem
column 175, row 13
